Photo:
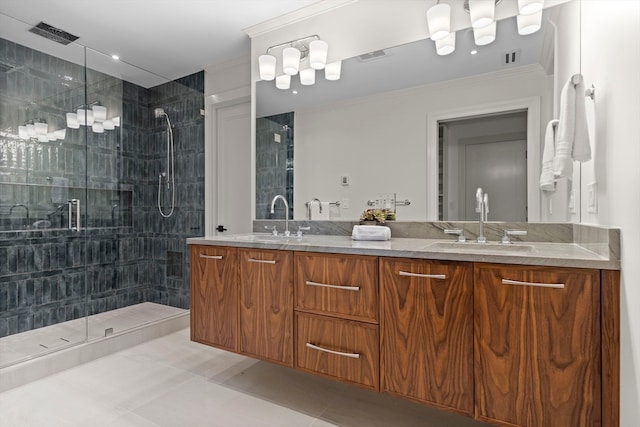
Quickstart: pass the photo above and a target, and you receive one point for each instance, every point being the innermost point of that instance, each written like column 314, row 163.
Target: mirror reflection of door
column 488, row 152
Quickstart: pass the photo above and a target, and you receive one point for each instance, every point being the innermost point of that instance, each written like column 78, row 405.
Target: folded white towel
column 370, row 232
column 547, row 181
column 572, row 142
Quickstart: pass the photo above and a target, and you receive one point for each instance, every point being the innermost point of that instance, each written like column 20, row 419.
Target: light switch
column 344, row 180
column 276, row 137
column 344, row 204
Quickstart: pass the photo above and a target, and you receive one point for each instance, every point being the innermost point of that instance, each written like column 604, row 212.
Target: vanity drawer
column 341, row 349
column 337, row 285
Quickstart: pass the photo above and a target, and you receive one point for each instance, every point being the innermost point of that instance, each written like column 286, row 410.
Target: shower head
column 159, row 112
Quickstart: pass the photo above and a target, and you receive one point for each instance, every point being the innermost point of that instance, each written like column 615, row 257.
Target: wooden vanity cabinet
column 427, row 332
column 537, row 345
column 214, row 296
column 266, row 304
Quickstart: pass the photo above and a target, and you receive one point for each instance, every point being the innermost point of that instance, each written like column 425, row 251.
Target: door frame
column 532, row 107
column 212, row 104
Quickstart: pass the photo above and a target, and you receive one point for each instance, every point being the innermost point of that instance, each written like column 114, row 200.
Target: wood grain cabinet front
column 214, row 296
column 337, row 285
column 426, row 332
column 266, row 304
column 537, row 346
column 345, row 350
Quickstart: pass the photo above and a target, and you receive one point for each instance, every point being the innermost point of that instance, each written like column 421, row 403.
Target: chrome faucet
column 482, row 207
column 315, row 199
column 286, row 212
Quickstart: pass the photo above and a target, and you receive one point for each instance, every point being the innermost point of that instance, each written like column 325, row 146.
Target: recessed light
column 115, row 57
column 295, row 92
column 473, row 52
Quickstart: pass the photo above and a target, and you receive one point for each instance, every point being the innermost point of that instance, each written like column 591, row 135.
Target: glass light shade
column 446, row 45
column 527, row 7
column 96, row 127
column 72, row 121
column 307, row 76
column 31, row 131
column 116, row 121
column 99, row 113
column 529, row 24
column 484, row 36
column 318, row 54
column 267, row 66
column 82, row 116
column 90, row 118
column 22, row 132
column 439, row 21
column 60, row 134
column 482, row 12
column 290, row 61
column 332, row 70
column 108, row 125
column 41, row 128
column 283, row 82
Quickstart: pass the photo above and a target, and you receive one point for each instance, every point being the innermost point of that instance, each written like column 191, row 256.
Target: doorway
column 488, row 151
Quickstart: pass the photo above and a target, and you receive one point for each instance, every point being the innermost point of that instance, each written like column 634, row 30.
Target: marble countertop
column 534, row 253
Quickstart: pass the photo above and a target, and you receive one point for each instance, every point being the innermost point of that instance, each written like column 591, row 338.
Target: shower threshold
column 66, row 341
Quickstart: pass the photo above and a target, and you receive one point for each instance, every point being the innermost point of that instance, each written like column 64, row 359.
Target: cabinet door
column 337, row 285
column 427, row 331
column 266, row 304
column 341, row 349
column 537, row 340
column 214, row 296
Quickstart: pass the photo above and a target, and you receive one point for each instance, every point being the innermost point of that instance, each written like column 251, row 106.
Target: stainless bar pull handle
column 211, row 256
column 324, row 285
column 262, row 261
column 339, row 353
column 426, row 276
column 70, row 213
column 540, row 285
column 76, row 203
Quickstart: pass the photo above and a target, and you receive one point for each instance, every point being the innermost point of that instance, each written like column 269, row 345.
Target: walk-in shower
column 64, row 263
column 169, row 174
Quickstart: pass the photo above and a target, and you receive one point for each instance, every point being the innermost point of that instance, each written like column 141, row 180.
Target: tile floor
column 171, row 381
column 17, row 347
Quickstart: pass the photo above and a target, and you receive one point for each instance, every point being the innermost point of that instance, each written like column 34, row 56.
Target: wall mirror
column 373, row 136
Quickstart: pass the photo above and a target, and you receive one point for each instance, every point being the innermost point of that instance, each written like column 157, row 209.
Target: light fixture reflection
column 439, row 21
column 482, row 12
column 332, row 70
column 484, row 36
column 446, row 45
column 529, row 24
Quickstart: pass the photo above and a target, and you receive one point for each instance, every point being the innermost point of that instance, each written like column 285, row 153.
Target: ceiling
column 156, row 40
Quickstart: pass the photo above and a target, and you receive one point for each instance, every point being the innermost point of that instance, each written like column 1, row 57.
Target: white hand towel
column 547, row 181
column 572, row 137
column 370, row 232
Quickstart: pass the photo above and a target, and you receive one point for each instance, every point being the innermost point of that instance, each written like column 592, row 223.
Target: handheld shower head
column 159, row 112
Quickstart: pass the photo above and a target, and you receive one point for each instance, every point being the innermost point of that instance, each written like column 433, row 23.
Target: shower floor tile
column 17, row 347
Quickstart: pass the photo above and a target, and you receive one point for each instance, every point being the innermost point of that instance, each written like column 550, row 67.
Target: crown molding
column 302, row 14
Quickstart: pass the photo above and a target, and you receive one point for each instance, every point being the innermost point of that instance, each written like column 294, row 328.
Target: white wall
column 380, row 142
column 611, row 62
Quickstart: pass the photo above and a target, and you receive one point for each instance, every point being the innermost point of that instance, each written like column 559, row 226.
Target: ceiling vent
column 52, row 33
column 511, row 57
column 376, row 54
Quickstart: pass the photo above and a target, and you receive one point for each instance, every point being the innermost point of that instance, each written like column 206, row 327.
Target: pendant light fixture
column 446, row 45
column 439, row 21
column 529, row 24
column 294, row 53
column 528, row 7
column 482, row 12
column 485, row 35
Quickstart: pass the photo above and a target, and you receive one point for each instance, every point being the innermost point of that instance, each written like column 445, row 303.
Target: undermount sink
column 481, row 247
